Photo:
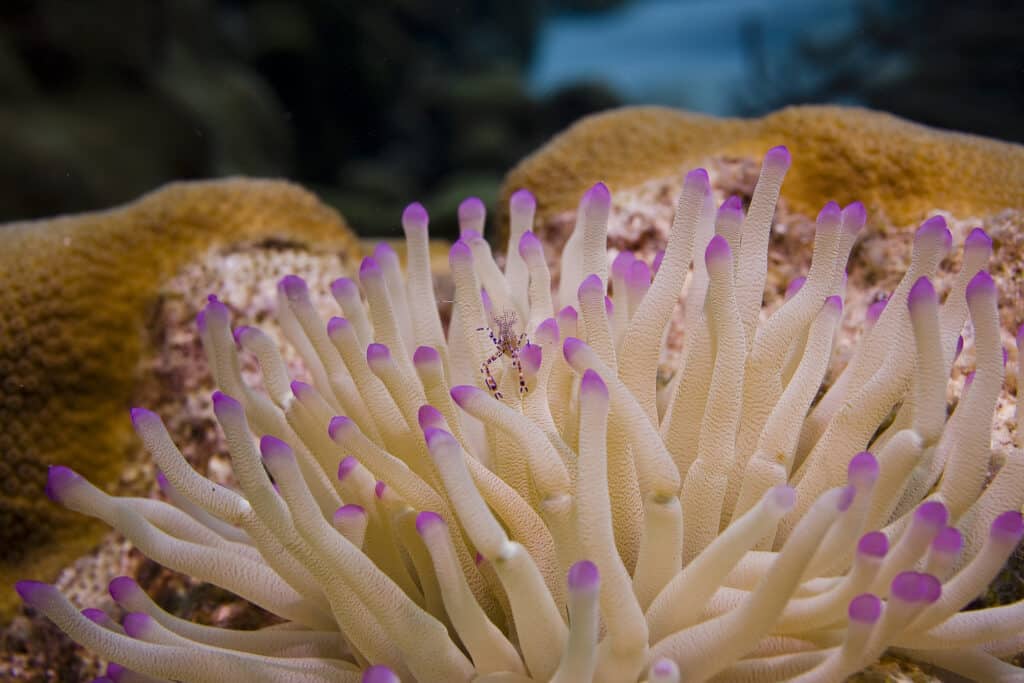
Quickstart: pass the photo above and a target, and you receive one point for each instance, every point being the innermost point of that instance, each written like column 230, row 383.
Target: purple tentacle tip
column 32, row 592
column 948, row 541
column 384, row 252
column 345, row 467
column 369, row 268
column 854, row 217
column 699, row 177
column 141, row 415
column 921, row 293
column 639, row 277
column 836, row 302
column 1009, row 525
column 337, row 423
column 600, row 189
column 933, row 513
column 349, row 511
column 907, row 586
column 591, row 284
column 531, row 356
column 731, row 205
column 664, row 667
column 778, row 156
column 783, row 497
column 463, row 393
column 522, row 201
column 426, row 519
column 436, row 437
column 344, row 288
column 238, row 333
column 377, row 353
column 873, row 544
column 598, row 196
column 115, row 671
column 829, row 214
column 460, row 252
column 978, row 239
column 547, row 332
column 718, row 252
column 336, row 325
column 981, row 284
column 135, row 623
column 933, row 223
column 96, row 616
column 415, row 216
column 592, row 384
column 273, row 447
column 380, row 674
column 529, row 245
column 931, row 588
column 865, row 608
column 222, row 401
column 58, row 479
column 122, row 587
column 622, row 263
column 571, row 347
column 379, row 488
column 794, row 286
column 425, row 354
column 294, row 287
column 875, row 310
column 568, row 313
column 429, row 416
column 300, row 389
column 583, row 576
column 863, row 469
column 471, row 208
column 216, row 309
column 935, row 227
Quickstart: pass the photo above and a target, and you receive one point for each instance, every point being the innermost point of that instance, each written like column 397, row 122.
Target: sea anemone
column 519, row 498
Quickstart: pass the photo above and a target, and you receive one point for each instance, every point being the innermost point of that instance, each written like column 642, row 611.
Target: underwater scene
column 578, row 341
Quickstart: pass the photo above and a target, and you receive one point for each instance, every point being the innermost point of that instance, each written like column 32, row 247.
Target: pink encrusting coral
column 531, row 504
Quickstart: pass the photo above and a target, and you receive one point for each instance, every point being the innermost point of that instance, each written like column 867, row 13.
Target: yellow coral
column 893, row 166
column 74, row 293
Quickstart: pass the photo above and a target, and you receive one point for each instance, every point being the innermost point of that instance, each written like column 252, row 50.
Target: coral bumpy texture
column 75, row 291
column 735, row 523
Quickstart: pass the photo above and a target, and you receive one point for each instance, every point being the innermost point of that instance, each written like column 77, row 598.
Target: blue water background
column 684, row 53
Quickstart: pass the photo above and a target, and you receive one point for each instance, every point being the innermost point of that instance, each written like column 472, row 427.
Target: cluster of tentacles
column 732, row 524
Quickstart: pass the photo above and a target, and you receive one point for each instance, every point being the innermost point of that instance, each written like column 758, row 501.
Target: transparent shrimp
column 506, row 343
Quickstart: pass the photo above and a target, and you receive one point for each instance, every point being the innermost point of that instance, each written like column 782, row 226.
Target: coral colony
column 410, row 522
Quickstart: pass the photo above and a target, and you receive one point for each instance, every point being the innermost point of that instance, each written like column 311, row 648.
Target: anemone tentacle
column 432, row 508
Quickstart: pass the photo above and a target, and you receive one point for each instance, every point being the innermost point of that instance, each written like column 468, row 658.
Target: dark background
column 375, row 104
